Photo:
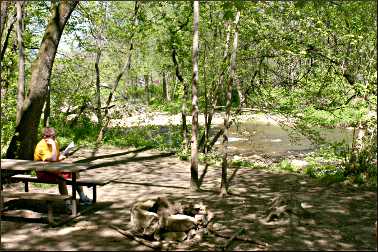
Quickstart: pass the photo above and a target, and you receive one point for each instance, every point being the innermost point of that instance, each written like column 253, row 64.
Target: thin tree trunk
column 110, row 97
column 184, row 127
column 3, row 17
column 224, row 183
column 21, row 61
column 46, row 112
column 165, row 87
column 240, row 93
column 194, row 183
column 9, row 29
column 25, row 137
column 214, row 97
column 126, row 67
column 147, row 88
column 98, row 90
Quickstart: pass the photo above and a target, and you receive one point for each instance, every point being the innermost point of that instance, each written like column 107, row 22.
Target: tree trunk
column 98, row 94
column 165, row 87
column 184, row 127
column 3, row 17
column 224, row 183
column 147, row 88
column 46, row 112
column 9, row 27
column 214, row 96
column 110, row 97
column 126, row 67
column 240, row 93
column 21, row 61
column 25, row 137
column 194, row 183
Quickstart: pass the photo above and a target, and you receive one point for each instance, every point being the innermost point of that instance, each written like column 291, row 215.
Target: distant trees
column 301, row 59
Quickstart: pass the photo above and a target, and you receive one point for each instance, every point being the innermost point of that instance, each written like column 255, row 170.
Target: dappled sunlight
column 334, row 219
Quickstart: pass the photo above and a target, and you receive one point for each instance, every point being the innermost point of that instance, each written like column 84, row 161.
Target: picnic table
column 29, row 165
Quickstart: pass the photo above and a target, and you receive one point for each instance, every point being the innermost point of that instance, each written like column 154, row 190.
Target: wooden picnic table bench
column 26, row 178
column 28, row 165
column 47, row 197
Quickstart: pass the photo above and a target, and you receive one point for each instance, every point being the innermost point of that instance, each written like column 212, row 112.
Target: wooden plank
column 26, row 165
column 81, row 181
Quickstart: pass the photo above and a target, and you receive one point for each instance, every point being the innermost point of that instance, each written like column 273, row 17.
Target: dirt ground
column 338, row 217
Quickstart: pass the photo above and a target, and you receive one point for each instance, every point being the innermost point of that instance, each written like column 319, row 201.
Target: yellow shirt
column 43, row 151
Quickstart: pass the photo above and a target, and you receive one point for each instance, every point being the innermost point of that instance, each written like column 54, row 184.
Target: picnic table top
column 25, row 165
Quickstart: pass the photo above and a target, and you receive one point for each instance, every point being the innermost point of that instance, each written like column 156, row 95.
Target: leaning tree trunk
column 25, row 137
column 194, row 184
column 184, row 127
column 213, row 99
column 21, row 61
column 6, row 27
column 125, row 68
column 3, row 17
column 224, row 185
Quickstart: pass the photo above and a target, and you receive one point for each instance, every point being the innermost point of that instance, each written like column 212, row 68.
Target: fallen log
column 130, row 235
column 232, row 238
column 238, row 237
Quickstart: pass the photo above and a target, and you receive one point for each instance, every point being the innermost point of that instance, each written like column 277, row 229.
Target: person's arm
column 61, row 157
column 53, row 157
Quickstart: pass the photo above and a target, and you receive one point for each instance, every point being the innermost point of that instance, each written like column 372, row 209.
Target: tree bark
column 9, row 27
column 25, row 137
column 147, row 88
column 194, row 183
column 165, row 87
column 98, row 94
column 224, row 184
column 21, row 61
column 46, row 111
column 3, row 17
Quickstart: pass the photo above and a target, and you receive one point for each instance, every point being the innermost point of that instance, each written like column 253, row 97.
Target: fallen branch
column 130, row 235
column 233, row 237
column 237, row 237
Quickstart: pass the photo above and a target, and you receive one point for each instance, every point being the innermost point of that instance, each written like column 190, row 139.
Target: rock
column 201, row 219
column 179, row 223
column 299, row 163
column 173, row 236
column 143, row 221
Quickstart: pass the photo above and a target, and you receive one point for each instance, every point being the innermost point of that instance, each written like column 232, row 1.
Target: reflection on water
column 258, row 137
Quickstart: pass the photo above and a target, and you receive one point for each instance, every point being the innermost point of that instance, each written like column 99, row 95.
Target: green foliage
column 312, row 62
column 173, row 107
column 286, row 166
column 327, row 174
column 241, row 163
column 161, row 138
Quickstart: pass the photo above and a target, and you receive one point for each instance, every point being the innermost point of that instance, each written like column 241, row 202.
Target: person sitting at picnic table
column 48, row 150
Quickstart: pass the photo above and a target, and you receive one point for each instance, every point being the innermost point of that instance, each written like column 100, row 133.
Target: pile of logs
column 160, row 220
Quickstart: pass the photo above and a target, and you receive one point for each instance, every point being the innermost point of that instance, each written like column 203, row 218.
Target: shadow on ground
column 340, row 218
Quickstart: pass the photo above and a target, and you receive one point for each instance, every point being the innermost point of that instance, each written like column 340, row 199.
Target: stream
column 270, row 140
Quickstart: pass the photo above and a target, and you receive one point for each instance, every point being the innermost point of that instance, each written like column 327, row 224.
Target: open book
column 68, row 149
